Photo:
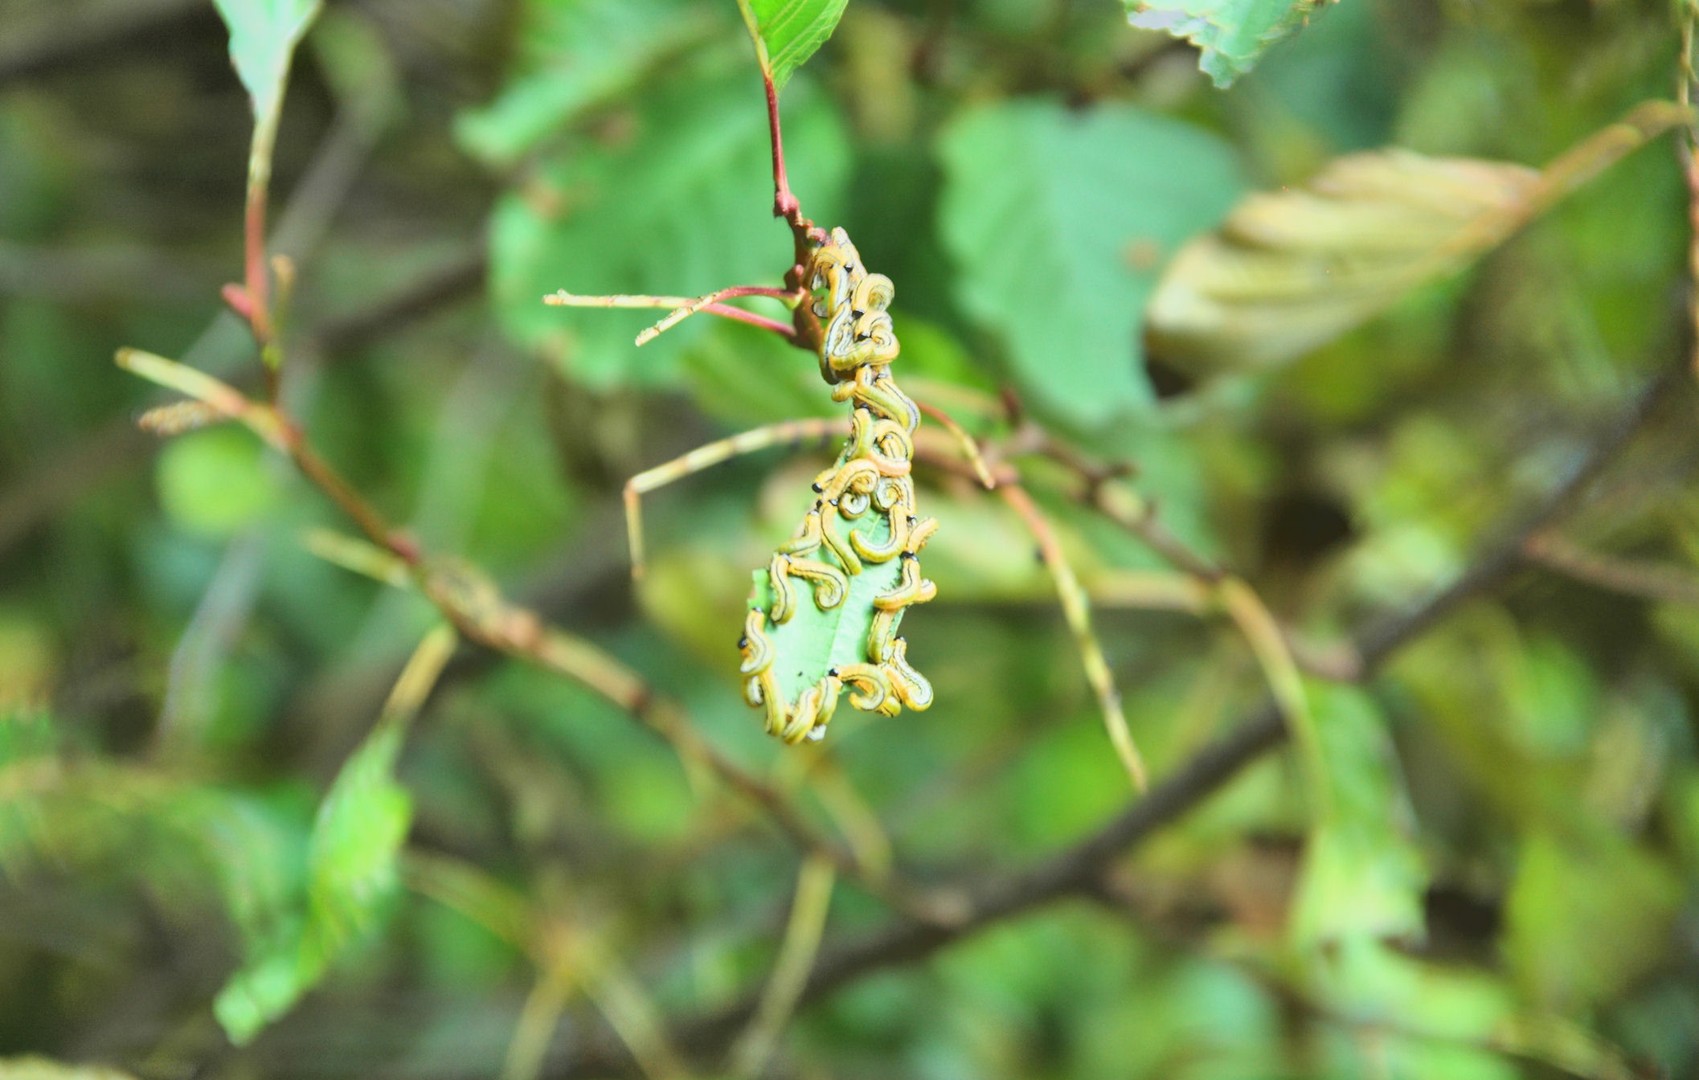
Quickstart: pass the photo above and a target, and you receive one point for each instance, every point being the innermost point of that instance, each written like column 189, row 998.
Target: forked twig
column 681, row 307
column 784, row 433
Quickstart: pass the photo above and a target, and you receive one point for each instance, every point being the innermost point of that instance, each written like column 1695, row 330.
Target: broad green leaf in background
column 1058, row 221
column 1292, row 270
column 792, row 30
column 682, row 209
column 575, row 56
column 1432, row 1019
column 351, row 874
column 351, row 864
column 748, row 378
column 1231, row 34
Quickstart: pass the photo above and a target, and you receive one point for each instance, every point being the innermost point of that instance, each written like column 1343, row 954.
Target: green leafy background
column 216, row 861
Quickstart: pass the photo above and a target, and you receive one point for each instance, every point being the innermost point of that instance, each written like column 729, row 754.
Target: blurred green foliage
column 221, row 822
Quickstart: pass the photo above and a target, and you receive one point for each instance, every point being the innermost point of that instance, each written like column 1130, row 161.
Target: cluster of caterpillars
column 862, row 528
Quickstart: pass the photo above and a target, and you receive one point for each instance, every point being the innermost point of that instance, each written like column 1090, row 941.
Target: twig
column 683, row 306
column 335, row 165
column 1268, row 644
column 1631, row 577
column 1076, row 609
column 98, row 457
column 790, row 973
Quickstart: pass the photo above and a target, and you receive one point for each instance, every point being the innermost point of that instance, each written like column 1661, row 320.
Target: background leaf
column 573, row 57
column 1289, row 271
column 352, row 862
column 1231, row 34
column 351, row 877
column 1057, row 222
column 1363, row 875
column 216, row 482
column 793, row 30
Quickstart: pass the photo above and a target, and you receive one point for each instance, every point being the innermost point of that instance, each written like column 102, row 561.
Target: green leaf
column 682, row 209
column 351, row 870
column 1289, row 271
column 750, row 378
column 352, row 863
column 791, row 31
column 1589, row 913
column 1363, row 874
column 1231, row 34
column 574, row 57
column 263, row 36
column 1058, row 222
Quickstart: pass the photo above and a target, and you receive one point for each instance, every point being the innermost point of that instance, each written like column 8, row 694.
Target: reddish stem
column 255, row 277
column 348, row 500
column 771, row 291
column 785, row 204
column 784, row 330
column 236, row 299
column 804, row 331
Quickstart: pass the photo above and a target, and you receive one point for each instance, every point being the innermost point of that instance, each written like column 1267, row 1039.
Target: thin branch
column 1076, row 609
column 1631, row 577
column 790, row 972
